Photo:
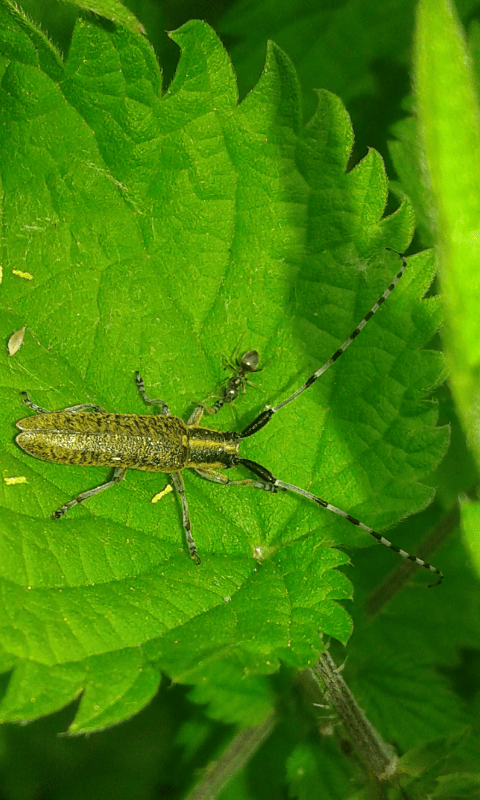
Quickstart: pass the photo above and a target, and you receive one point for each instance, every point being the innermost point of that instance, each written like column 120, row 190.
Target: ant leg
column 177, row 481
column 118, row 476
column 265, row 416
column 248, row 363
column 149, row 400
column 271, row 484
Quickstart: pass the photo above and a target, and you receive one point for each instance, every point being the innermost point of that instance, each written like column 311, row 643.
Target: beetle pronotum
column 86, row 434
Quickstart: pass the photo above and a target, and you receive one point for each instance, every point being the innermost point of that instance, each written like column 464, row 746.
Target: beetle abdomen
column 110, row 440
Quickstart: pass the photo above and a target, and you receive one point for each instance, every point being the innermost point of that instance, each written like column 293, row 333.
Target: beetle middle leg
column 150, row 401
column 177, row 481
column 118, row 476
column 176, row 477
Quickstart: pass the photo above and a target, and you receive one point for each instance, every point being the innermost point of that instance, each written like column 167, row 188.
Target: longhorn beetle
column 86, row 434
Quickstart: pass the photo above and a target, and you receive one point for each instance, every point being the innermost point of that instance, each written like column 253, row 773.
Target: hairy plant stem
column 379, row 756
column 238, row 752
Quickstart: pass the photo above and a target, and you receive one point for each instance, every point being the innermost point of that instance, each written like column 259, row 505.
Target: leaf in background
column 161, row 234
column 448, row 115
column 112, row 10
column 341, row 42
column 471, row 526
column 406, row 157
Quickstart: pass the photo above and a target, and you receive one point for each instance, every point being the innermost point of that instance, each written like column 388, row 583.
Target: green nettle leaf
column 110, row 9
column 161, row 233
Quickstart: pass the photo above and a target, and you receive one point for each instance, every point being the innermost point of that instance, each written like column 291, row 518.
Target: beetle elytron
column 86, row 434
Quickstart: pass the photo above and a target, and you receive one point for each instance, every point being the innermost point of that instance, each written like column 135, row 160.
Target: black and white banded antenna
column 268, row 482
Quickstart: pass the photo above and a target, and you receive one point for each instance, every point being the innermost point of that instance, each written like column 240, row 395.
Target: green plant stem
column 401, row 574
column 238, row 753
column 379, row 756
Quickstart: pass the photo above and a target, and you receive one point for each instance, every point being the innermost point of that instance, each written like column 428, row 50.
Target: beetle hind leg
column 118, row 476
column 84, row 407
column 32, row 405
column 70, row 409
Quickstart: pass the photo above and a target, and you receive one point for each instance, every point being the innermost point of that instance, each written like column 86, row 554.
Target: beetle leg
column 118, row 476
column 33, row 405
column 218, row 477
column 84, row 407
column 196, row 415
column 150, row 400
column 177, row 481
column 71, row 409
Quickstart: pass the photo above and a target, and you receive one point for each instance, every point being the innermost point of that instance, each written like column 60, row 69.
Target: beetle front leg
column 224, row 480
column 196, row 415
column 118, row 476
